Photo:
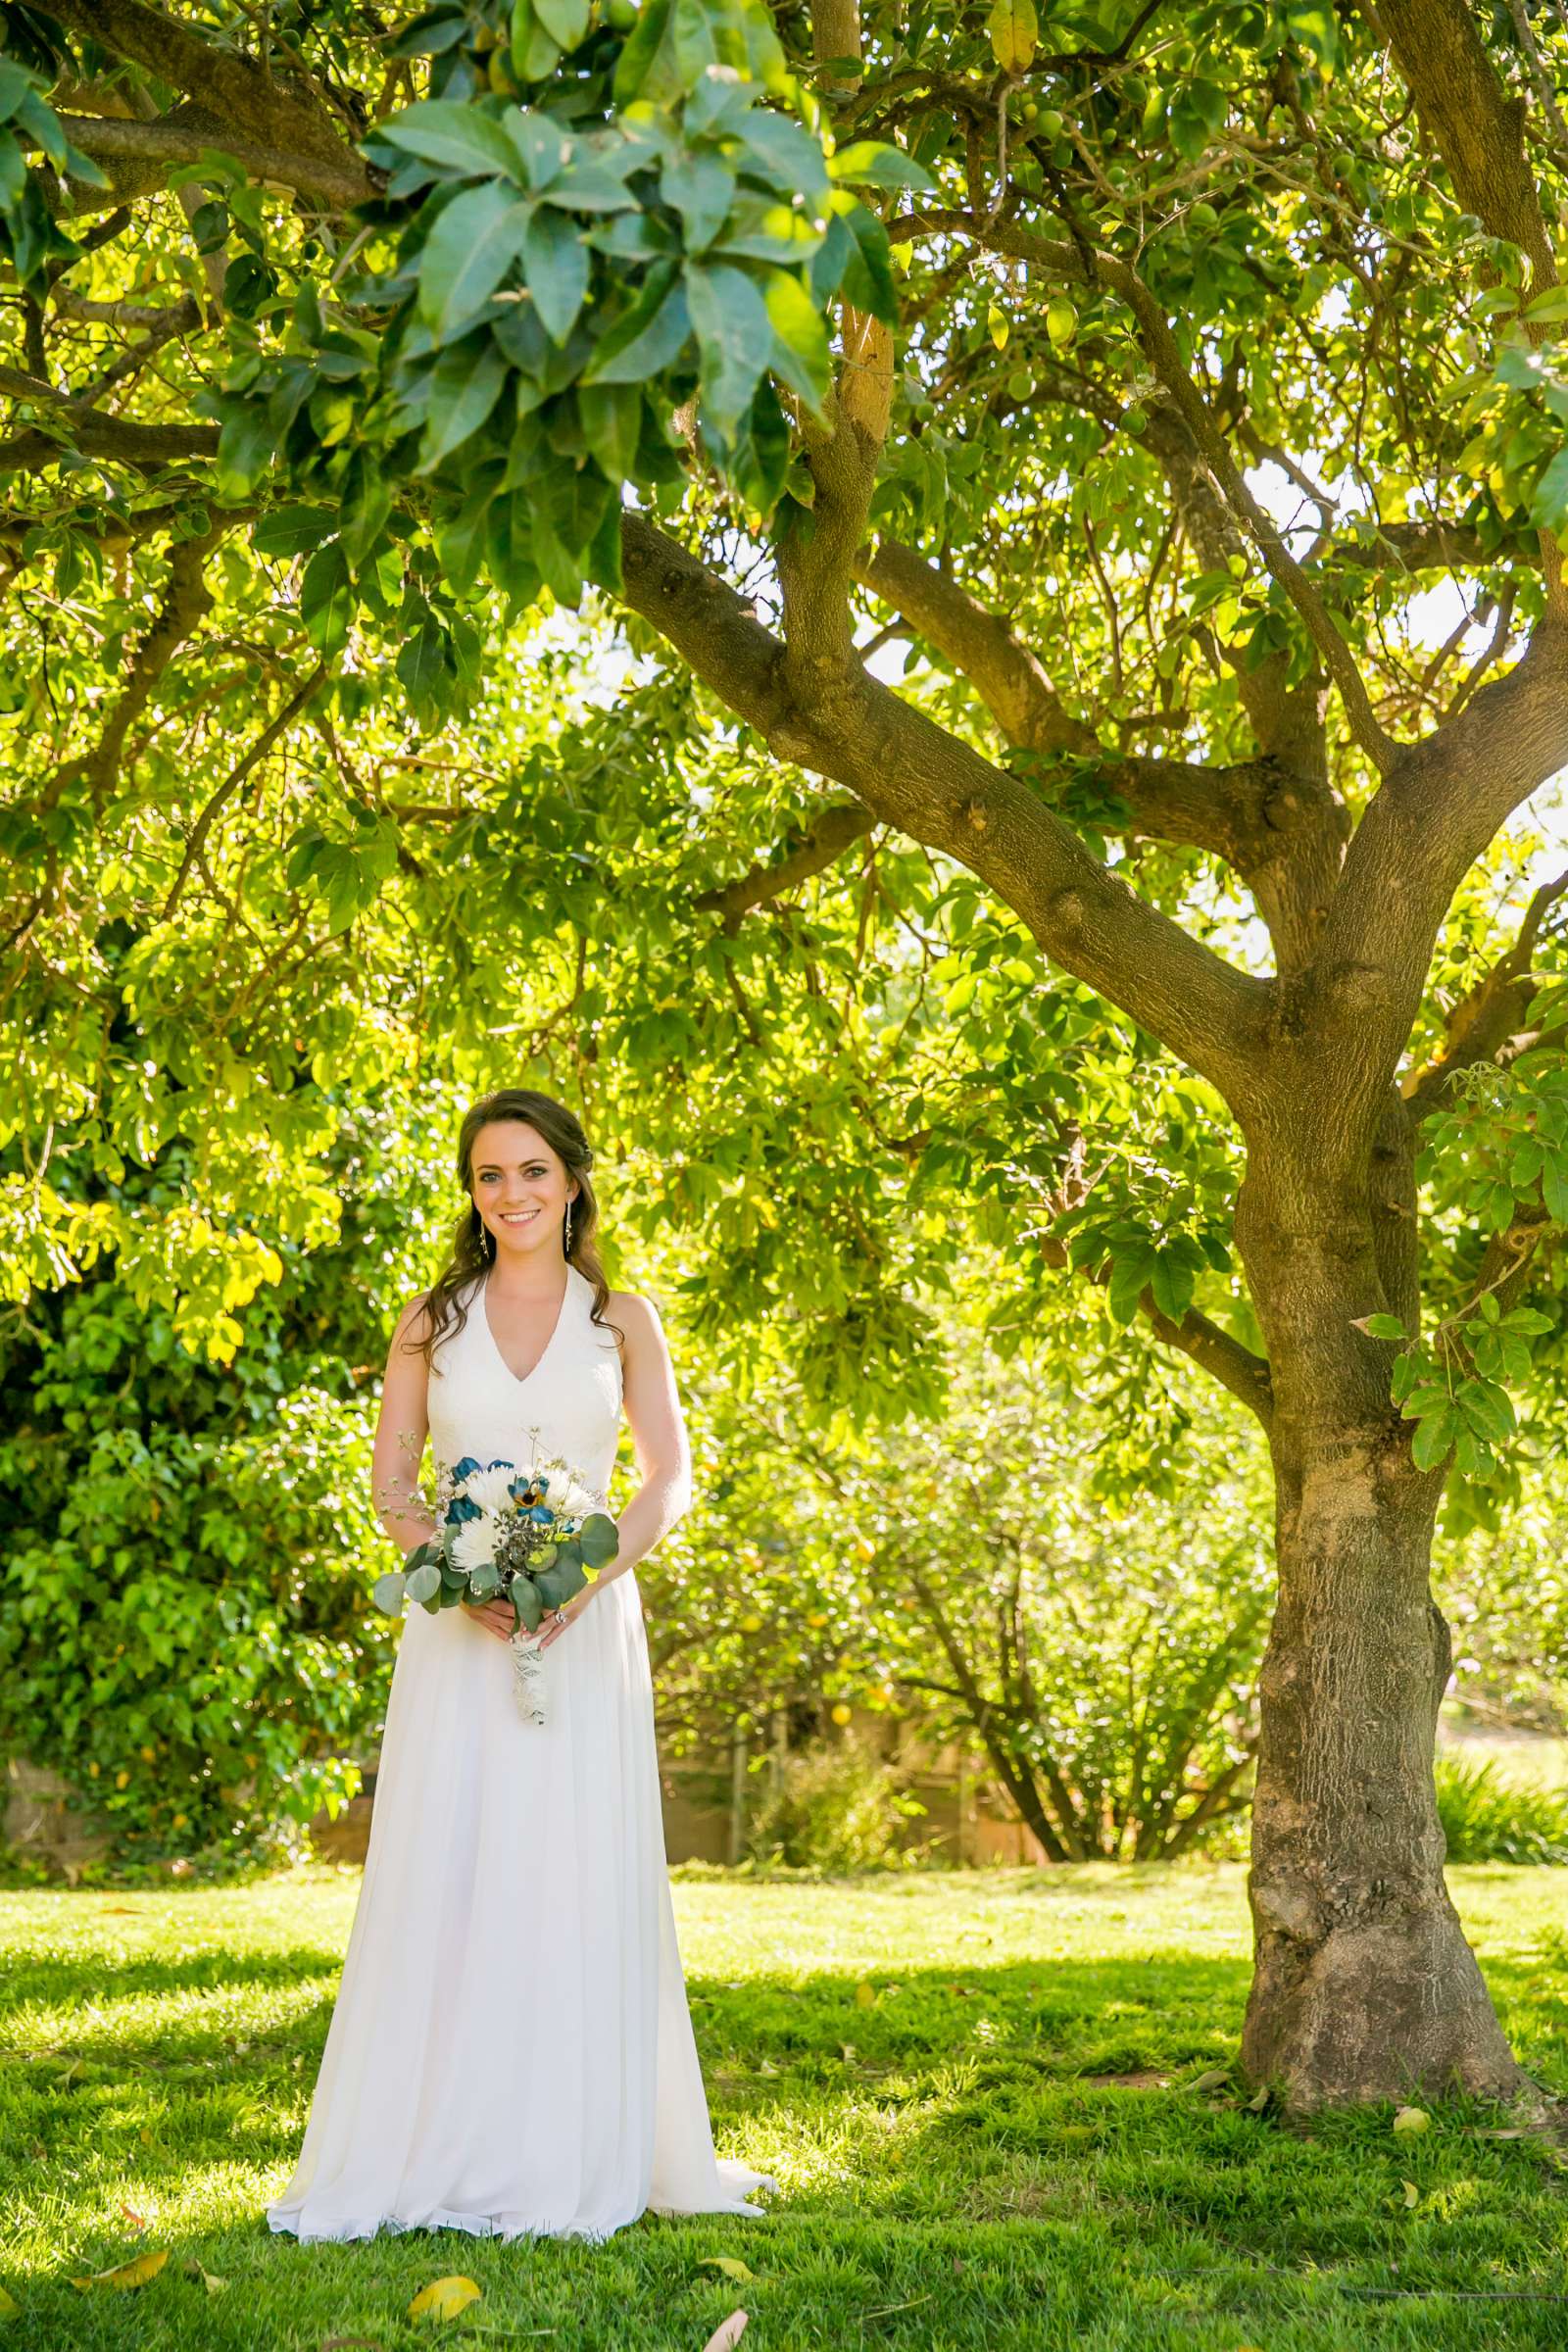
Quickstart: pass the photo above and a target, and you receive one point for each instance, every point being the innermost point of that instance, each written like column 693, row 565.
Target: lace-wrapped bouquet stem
column 532, row 1537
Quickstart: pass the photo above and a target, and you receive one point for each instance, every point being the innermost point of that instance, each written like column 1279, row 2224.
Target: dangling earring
column 569, row 1228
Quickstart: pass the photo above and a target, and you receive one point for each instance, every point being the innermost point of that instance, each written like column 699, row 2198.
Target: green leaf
column 440, row 130
column 1555, row 1189
column 559, row 1583
column 1172, row 1286
column 1384, row 1327
column 611, row 419
column 800, row 338
column 867, row 278
column 365, row 504
column 633, row 66
column 649, row 335
column 1549, row 504
column 326, row 599
column 701, row 189
column 1488, row 1408
column 421, row 665
column 598, row 1539
column 733, row 337
column 555, row 262
column 566, row 21
column 246, row 446
column 423, row 1582
column 1312, row 23
column 388, row 1592
column 468, row 252
column 1434, row 1436
column 463, row 389
column 543, row 145
column 1130, row 1275
column 872, row 164
column 285, row 533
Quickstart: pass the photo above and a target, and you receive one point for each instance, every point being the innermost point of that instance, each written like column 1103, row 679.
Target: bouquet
column 532, row 1537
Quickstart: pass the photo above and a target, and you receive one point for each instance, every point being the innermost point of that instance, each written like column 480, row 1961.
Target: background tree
column 533, row 298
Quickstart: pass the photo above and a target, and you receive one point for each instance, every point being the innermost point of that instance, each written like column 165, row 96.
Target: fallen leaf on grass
column 137, row 2221
column 865, row 1994
column 1412, row 2119
column 10, row 2308
column 1148, row 2079
column 443, row 2299
column 847, row 2047
column 730, row 2264
column 1210, row 2079
column 1412, row 2195
column 728, row 2331
column 213, row 2286
column 1257, row 2105
column 880, row 2311
column 1513, row 2131
column 126, row 2273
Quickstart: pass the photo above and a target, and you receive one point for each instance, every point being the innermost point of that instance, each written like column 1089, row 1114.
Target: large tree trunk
column 1364, row 1985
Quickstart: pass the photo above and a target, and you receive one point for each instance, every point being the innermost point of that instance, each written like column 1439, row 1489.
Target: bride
column 511, row 2051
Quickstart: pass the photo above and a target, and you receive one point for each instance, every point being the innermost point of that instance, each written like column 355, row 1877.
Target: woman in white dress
column 511, row 2050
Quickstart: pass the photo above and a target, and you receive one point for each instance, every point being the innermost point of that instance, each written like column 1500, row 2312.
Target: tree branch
column 1476, row 129
column 1220, row 1355
column 119, row 438
column 840, row 823
column 1479, row 132
column 266, row 103
column 339, row 180
column 1483, row 1020
column 187, row 600
column 909, row 772
column 1280, row 830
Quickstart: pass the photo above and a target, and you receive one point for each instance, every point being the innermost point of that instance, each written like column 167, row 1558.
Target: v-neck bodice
column 569, row 1405
column 482, row 1307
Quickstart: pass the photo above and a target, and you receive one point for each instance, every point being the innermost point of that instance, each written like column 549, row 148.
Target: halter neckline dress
column 511, row 2050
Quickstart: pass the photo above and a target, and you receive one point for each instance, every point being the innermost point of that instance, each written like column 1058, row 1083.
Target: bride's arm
column 659, row 1435
column 400, row 1435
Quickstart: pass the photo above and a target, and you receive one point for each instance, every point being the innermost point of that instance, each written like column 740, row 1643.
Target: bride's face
column 520, row 1187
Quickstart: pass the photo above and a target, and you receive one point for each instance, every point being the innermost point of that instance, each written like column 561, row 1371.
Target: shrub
column 835, row 1807
column 1486, row 1819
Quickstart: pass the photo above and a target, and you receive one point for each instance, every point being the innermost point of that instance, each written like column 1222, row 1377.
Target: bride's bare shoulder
column 637, row 1315
column 414, row 1323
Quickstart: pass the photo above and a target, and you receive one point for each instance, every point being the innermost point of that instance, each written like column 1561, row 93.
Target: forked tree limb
column 846, row 726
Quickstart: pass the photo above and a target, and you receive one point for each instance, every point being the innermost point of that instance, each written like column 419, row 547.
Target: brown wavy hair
column 472, row 1248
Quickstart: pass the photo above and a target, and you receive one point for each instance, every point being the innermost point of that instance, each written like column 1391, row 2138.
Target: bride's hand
column 498, row 1617
column 550, row 1628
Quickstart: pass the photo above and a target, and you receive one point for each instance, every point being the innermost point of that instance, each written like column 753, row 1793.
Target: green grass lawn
column 929, row 2065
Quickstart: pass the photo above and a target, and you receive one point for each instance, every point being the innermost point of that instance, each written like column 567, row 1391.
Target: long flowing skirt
column 511, row 2050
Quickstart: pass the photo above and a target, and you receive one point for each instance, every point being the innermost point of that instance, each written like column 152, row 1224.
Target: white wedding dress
column 511, row 2051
